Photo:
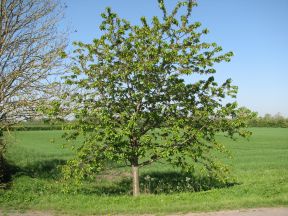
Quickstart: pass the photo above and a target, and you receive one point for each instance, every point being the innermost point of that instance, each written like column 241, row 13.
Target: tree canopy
column 132, row 103
column 30, row 43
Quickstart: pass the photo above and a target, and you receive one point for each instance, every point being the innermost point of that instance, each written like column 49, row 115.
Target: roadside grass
column 260, row 166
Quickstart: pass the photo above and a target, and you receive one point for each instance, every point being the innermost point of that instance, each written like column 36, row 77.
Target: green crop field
column 260, row 168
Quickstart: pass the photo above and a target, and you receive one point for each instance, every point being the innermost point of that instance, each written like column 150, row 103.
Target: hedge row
column 36, row 127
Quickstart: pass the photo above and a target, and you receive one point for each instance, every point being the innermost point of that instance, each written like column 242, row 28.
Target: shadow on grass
column 119, row 182
column 159, row 183
column 46, row 169
column 5, row 172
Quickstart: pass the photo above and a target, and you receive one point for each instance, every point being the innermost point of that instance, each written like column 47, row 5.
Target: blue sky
column 255, row 30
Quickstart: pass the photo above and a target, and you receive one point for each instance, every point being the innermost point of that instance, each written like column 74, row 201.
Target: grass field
column 259, row 165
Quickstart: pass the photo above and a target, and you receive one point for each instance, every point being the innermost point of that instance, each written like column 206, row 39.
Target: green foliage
column 133, row 105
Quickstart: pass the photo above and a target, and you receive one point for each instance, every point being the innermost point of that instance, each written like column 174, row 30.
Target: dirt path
column 244, row 212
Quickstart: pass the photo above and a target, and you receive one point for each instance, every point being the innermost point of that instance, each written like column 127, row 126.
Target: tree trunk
column 135, row 177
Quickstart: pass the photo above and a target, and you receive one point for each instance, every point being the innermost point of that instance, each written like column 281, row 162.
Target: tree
column 131, row 101
column 30, row 44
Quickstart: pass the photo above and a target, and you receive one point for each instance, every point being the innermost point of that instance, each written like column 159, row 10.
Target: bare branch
column 29, row 55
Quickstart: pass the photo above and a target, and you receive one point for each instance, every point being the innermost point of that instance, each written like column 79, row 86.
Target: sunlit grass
column 259, row 165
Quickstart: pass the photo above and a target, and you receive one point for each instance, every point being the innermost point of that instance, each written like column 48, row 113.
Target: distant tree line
column 269, row 121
